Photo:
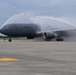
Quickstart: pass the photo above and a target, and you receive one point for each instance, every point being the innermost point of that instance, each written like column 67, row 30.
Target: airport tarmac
column 26, row 57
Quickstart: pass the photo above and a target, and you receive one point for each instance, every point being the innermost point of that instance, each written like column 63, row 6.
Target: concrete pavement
column 38, row 58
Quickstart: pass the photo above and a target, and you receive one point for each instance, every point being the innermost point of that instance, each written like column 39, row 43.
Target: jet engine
column 49, row 35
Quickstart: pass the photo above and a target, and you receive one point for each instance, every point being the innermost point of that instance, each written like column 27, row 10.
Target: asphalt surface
column 38, row 58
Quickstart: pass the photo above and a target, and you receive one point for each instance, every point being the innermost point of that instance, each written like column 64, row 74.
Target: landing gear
column 30, row 37
column 10, row 40
column 47, row 39
column 59, row 39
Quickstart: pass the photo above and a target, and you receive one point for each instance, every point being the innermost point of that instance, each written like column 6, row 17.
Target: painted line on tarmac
column 8, row 59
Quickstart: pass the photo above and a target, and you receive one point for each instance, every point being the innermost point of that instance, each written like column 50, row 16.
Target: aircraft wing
column 60, row 32
column 65, row 32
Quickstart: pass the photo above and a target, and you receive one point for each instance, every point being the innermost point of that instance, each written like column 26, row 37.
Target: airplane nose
column 2, row 30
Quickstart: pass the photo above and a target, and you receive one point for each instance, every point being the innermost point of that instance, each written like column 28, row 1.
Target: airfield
column 28, row 57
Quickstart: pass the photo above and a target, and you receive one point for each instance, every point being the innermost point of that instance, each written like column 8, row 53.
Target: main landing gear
column 59, row 39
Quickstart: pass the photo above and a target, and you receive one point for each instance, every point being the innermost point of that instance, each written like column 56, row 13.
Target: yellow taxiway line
column 8, row 59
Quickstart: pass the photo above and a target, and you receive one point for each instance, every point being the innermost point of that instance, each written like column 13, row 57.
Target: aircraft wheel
column 30, row 37
column 59, row 39
column 47, row 39
column 10, row 40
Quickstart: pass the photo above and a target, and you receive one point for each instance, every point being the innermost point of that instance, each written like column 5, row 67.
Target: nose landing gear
column 10, row 40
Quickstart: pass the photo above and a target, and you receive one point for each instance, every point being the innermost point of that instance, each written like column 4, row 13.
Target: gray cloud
column 55, row 8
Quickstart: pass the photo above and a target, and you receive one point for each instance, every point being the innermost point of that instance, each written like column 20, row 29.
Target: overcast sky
column 64, row 9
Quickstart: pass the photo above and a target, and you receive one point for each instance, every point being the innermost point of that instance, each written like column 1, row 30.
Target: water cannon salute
column 51, row 24
column 32, row 26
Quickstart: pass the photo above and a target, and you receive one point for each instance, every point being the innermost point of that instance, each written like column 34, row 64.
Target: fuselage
column 16, row 30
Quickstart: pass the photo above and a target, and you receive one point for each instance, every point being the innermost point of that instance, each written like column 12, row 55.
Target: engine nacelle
column 49, row 35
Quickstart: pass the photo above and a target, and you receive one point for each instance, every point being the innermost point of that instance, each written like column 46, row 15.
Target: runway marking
column 8, row 59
